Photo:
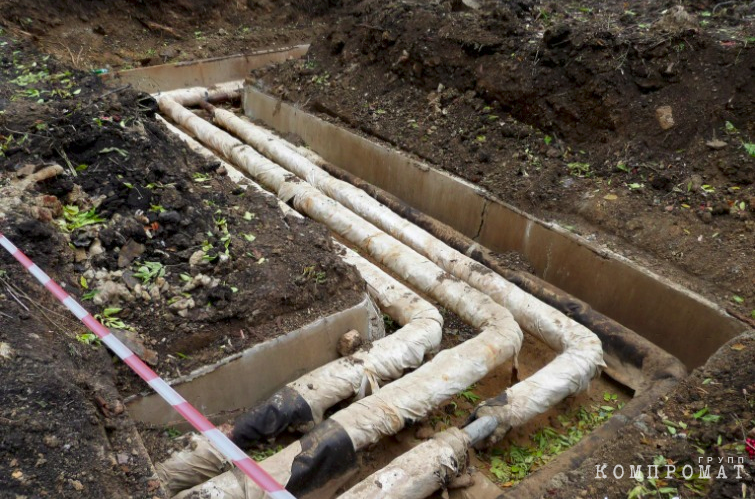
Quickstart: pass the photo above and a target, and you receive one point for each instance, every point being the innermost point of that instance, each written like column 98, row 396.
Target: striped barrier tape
column 193, row 416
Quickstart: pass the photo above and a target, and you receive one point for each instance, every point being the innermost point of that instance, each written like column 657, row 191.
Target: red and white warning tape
column 194, row 417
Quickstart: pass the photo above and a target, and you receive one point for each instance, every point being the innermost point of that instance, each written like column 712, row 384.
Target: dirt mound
column 157, row 241
column 708, row 415
column 636, row 119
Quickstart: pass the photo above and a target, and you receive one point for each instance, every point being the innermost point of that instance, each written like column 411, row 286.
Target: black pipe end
column 271, row 418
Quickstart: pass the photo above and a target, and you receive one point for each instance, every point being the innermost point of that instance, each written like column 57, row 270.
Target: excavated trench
column 650, row 329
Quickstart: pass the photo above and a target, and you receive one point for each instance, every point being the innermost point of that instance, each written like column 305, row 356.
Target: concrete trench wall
column 202, row 73
column 674, row 318
column 242, row 380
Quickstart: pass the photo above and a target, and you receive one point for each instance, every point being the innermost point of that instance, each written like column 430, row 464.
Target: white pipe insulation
column 581, row 353
column 414, row 395
column 422, row 470
column 194, row 95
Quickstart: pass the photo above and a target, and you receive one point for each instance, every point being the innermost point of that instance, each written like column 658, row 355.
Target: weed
column 200, row 177
column 581, row 170
column 470, row 396
column 513, row 465
column 262, row 454
column 172, row 432
column 122, row 152
column 149, row 271
column 75, row 218
column 88, row 339
column 108, row 319
column 319, row 277
column 705, row 416
column 389, row 323
column 750, row 148
column 651, row 487
column 323, row 79
column 156, row 208
column 621, row 166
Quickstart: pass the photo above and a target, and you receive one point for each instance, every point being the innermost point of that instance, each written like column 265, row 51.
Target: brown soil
column 719, row 386
column 127, row 34
column 231, row 271
column 553, row 107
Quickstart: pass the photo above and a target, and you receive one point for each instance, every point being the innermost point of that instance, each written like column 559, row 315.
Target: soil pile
column 634, row 119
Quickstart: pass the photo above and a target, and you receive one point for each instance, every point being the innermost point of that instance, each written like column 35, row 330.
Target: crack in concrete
column 482, row 219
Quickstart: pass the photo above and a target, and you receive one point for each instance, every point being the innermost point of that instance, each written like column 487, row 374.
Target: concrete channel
column 677, row 320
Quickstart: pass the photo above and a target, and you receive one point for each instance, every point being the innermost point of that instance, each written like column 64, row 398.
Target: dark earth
column 630, row 123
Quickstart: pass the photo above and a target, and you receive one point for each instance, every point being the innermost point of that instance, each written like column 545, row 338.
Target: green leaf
column 122, row 152
column 738, row 299
column 185, row 277
column 83, row 282
column 248, row 216
column 250, row 237
column 109, row 312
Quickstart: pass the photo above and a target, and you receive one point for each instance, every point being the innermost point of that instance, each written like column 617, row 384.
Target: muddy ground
column 179, row 260
column 630, row 123
column 563, row 110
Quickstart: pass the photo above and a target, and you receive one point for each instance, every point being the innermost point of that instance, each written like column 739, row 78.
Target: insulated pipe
column 318, row 390
column 307, row 398
column 581, row 353
column 630, row 359
column 427, row 467
column 409, row 398
column 193, row 96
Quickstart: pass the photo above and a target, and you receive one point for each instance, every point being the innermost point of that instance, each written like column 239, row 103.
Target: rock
column 136, row 344
column 83, row 236
column 51, row 441
column 80, row 255
column 6, row 352
column 706, row 216
column 665, row 117
column 169, row 217
column 169, row 53
column 349, row 343
column 675, row 20
column 111, row 292
column 196, row 258
column 182, row 304
column 96, row 248
column 131, row 281
column 129, row 251
column 154, row 293
column 76, row 485
column 695, row 183
column 122, row 458
column 716, row 144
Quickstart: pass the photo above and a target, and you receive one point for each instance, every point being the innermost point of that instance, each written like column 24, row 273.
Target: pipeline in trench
column 400, row 219
column 569, row 373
